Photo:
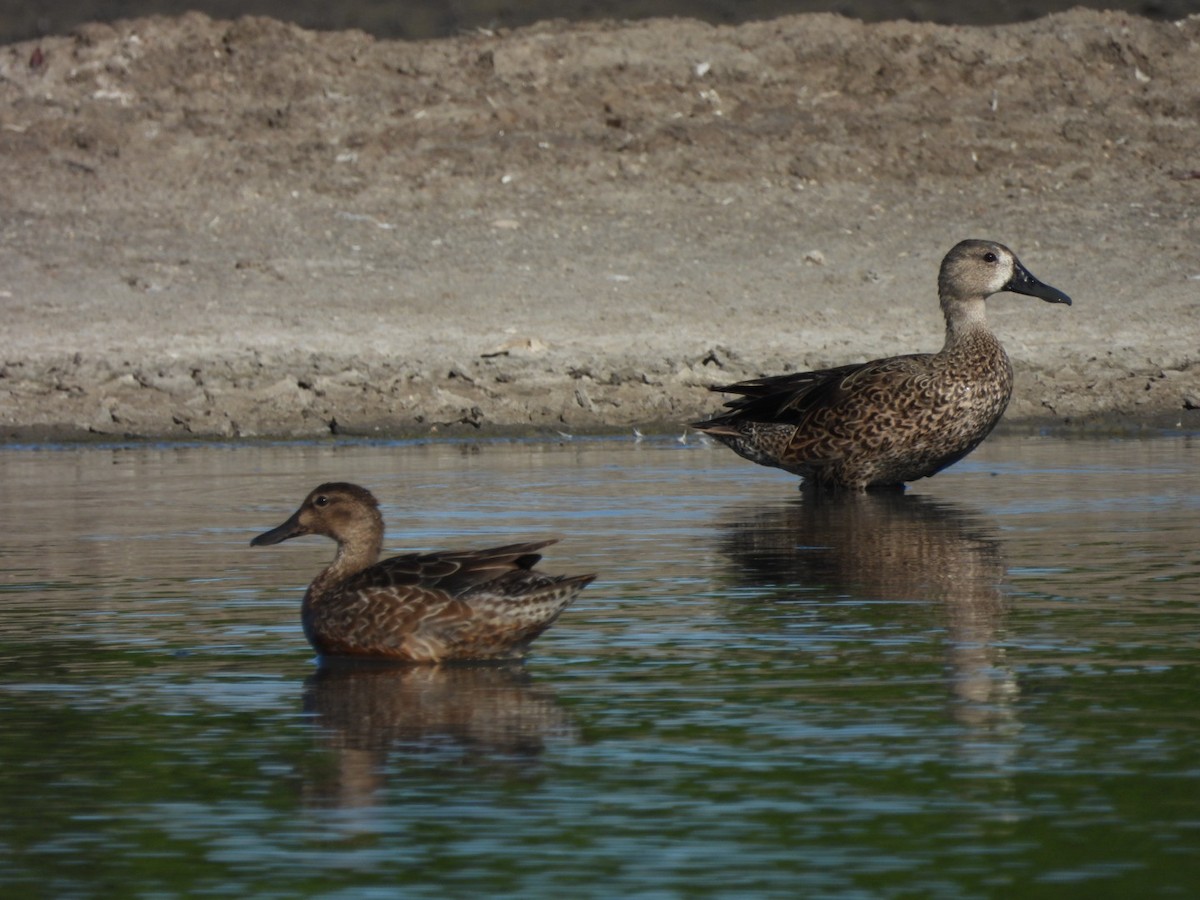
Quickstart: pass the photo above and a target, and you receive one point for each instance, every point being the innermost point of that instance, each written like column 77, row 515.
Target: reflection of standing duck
column 894, row 420
column 890, row 546
column 486, row 713
column 420, row 607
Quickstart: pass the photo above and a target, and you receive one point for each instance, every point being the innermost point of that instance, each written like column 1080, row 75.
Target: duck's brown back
column 486, row 604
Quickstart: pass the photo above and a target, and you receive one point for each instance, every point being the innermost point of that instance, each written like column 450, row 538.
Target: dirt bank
column 215, row 228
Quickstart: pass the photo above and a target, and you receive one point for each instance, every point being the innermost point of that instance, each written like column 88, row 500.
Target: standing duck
column 419, row 607
column 890, row 421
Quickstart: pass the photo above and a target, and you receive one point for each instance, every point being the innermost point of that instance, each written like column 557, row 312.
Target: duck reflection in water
column 453, row 715
column 892, row 546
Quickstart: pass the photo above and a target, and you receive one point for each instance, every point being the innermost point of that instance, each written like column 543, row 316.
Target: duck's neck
column 966, row 322
column 355, row 552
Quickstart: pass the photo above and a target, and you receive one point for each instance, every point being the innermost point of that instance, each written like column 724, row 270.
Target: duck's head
column 342, row 511
column 974, row 270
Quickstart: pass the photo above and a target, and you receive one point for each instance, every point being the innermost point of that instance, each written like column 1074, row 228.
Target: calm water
column 986, row 687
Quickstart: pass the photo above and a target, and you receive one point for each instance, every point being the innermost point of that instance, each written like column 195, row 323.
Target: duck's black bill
column 1024, row 283
column 289, row 529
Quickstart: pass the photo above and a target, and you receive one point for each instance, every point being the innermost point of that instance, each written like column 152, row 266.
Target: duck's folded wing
column 790, row 398
column 452, row 572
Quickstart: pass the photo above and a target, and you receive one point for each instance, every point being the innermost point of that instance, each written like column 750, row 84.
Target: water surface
column 984, row 687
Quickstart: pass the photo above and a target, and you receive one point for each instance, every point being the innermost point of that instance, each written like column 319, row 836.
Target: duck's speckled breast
column 950, row 408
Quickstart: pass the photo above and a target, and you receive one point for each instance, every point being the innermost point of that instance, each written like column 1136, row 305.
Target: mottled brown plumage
column 889, row 421
column 420, row 607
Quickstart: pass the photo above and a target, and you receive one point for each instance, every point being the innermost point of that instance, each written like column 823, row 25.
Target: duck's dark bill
column 1024, row 283
column 289, row 529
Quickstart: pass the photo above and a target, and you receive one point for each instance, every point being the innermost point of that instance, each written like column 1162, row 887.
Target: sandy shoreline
column 216, row 229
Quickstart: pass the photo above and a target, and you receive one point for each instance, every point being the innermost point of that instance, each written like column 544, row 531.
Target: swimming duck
column 890, row 421
column 419, row 607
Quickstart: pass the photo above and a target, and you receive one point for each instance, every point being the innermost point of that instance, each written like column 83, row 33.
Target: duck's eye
column 990, row 257
column 320, row 500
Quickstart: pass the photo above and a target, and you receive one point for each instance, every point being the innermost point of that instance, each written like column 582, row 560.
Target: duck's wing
column 478, row 604
column 451, row 572
column 790, row 399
